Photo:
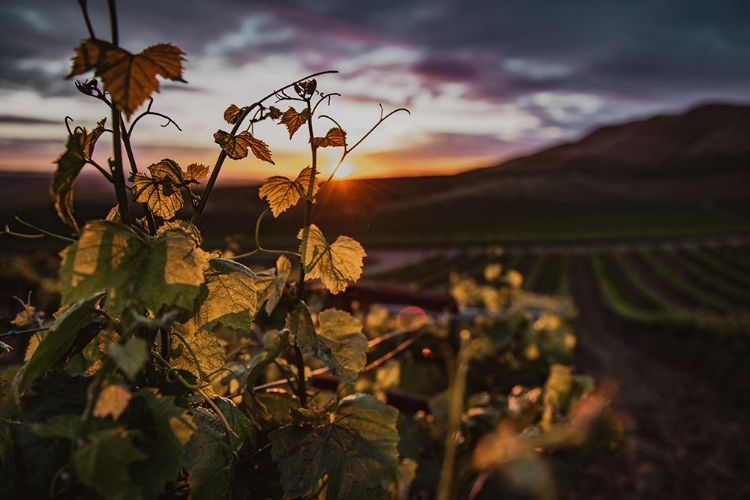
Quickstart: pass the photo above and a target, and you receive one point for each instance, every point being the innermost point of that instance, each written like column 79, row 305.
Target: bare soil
column 687, row 433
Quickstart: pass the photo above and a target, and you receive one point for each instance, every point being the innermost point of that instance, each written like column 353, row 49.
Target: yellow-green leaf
column 113, row 400
column 133, row 270
column 161, row 191
column 356, row 453
column 294, row 120
column 272, row 283
column 283, row 193
column 340, row 343
column 69, row 165
column 209, row 354
column 231, row 297
column 336, row 264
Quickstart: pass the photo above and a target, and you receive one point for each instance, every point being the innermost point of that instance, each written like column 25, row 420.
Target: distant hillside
column 676, row 174
column 702, row 155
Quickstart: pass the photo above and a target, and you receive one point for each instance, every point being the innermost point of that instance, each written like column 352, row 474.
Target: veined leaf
column 294, row 120
column 209, row 455
column 335, row 265
column 340, row 343
column 230, row 297
column 129, row 78
column 335, row 137
column 113, row 400
column 69, row 165
column 236, row 146
column 274, row 113
column 61, row 336
column 283, row 193
column 357, row 452
column 164, row 270
column 102, row 464
column 209, row 355
column 196, row 172
column 187, row 226
column 161, row 191
column 164, row 428
column 231, row 114
column 88, row 147
column 131, row 357
column 272, row 284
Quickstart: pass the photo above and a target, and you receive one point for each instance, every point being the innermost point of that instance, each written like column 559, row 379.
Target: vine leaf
column 357, row 452
column 130, row 357
column 60, row 338
column 163, row 430
column 283, row 193
column 336, row 264
column 141, row 272
column 340, row 343
column 102, row 463
column 231, row 114
column 335, row 137
column 112, row 401
column 209, row 455
column 88, row 147
column 294, row 120
column 69, row 165
column 129, row 78
column 209, row 355
column 274, row 113
column 230, row 297
column 237, row 146
column 161, row 191
column 196, row 172
column 273, row 282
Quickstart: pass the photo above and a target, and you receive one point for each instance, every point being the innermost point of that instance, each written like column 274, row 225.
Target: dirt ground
column 687, row 433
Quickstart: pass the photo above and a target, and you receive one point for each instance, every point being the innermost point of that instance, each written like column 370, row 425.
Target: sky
column 484, row 80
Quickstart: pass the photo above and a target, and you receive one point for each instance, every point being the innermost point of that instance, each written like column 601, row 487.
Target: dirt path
column 687, row 437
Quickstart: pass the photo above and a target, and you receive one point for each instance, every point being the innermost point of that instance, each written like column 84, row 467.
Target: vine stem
column 222, row 155
column 117, row 165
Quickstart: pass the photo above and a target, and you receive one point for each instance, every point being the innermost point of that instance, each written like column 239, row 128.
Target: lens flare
column 411, row 318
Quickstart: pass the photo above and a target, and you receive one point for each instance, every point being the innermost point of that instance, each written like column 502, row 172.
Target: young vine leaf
column 237, row 146
column 357, row 452
column 161, row 191
column 165, row 270
column 129, row 78
column 283, row 193
column 112, row 401
column 340, row 343
column 272, row 283
column 69, row 165
column 61, row 336
column 335, row 137
column 231, row 114
column 294, row 120
column 336, row 264
column 102, row 463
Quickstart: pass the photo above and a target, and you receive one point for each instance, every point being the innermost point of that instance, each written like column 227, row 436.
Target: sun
column 344, row 171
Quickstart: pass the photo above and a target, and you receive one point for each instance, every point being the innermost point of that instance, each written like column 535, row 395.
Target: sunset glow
column 479, row 93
